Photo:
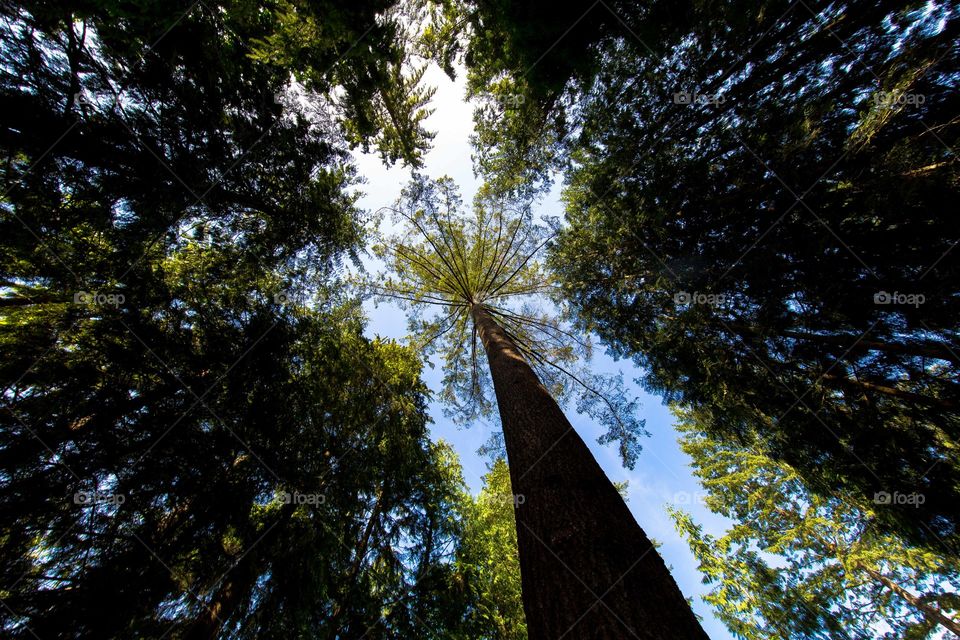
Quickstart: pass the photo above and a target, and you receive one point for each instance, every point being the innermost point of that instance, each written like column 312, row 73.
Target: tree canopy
column 795, row 564
column 199, row 440
column 799, row 289
column 445, row 259
column 196, row 438
column 489, row 556
column 758, row 202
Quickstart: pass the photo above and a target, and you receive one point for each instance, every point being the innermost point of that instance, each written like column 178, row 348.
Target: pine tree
column 757, row 198
column 197, row 440
column 821, row 328
column 795, row 564
column 585, row 564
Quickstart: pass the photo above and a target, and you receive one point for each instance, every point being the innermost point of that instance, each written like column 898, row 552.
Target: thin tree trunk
column 932, row 614
column 588, row 571
column 333, row 623
column 236, row 586
column 859, row 344
column 851, row 383
column 208, row 624
column 923, row 348
column 26, row 302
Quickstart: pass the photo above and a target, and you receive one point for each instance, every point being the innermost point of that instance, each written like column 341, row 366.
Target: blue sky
column 662, row 475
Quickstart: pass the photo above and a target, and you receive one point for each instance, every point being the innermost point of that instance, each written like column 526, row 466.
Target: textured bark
column 588, row 571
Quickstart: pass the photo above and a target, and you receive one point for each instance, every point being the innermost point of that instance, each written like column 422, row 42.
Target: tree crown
column 444, row 263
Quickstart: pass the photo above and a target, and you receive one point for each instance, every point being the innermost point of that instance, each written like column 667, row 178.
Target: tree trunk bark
column 587, row 569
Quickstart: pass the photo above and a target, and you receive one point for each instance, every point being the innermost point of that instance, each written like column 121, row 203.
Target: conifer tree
column 795, row 564
column 586, row 566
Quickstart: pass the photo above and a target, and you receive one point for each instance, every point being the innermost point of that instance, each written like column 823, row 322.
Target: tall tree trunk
column 587, row 568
